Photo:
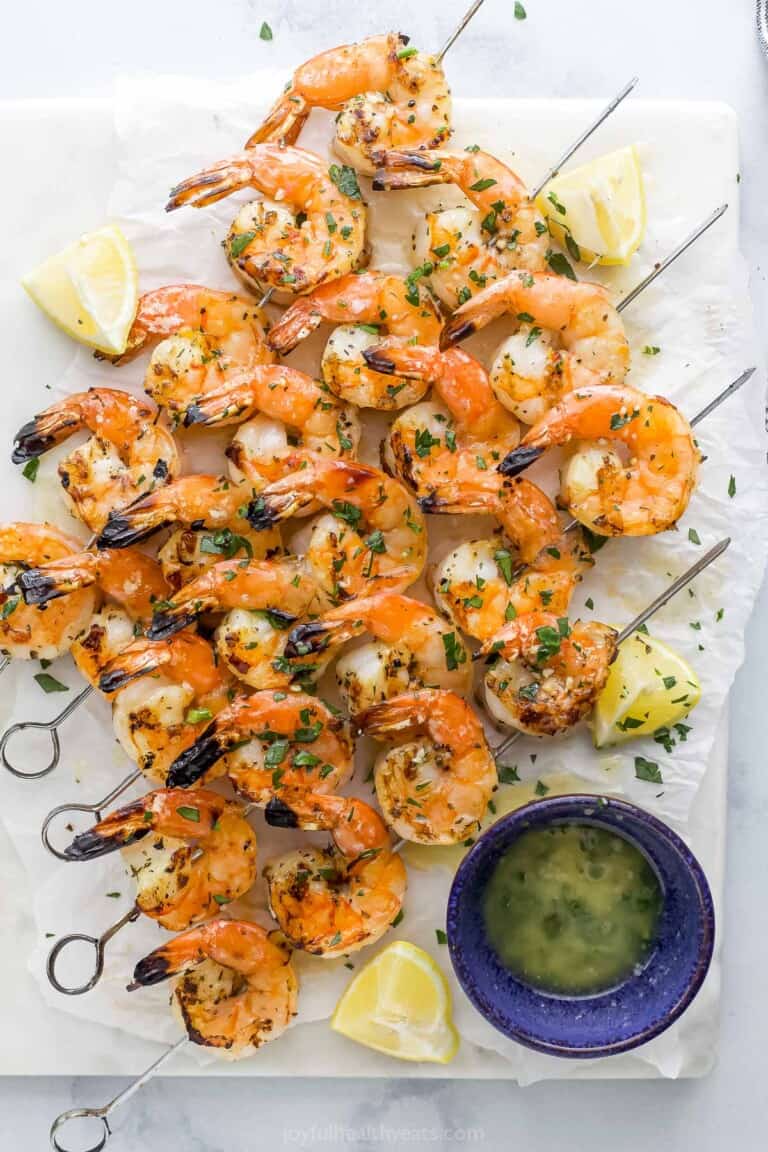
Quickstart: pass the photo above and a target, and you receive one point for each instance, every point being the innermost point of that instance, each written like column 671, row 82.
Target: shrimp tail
column 295, row 325
column 278, row 814
column 314, row 636
column 195, row 761
column 212, row 184
column 283, row 122
column 58, row 578
column 43, row 432
column 125, row 826
column 168, row 621
column 154, row 968
column 267, row 510
column 139, row 659
column 458, row 328
column 131, row 525
column 407, row 169
column 519, row 459
column 399, row 714
column 414, row 361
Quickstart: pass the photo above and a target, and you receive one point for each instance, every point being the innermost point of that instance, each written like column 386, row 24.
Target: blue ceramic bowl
column 607, row 1022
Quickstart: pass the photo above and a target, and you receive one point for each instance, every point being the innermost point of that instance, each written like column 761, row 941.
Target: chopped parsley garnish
column 239, row 243
column 29, row 471
column 189, row 813
column 345, row 179
column 265, row 32
column 49, row 683
column 647, row 770
column 693, row 536
column 455, row 653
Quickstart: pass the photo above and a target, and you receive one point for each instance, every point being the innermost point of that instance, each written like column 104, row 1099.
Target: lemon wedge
column 597, row 211
column 90, row 289
column 400, row 1004
column 649, row 687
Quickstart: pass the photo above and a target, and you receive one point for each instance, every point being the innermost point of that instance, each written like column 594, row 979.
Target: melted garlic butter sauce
column 572, row 908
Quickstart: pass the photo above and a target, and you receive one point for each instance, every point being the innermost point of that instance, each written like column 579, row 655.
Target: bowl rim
column 558, row 806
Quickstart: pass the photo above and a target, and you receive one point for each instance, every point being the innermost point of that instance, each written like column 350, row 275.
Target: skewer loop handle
column 50, row 726
column 99, row 943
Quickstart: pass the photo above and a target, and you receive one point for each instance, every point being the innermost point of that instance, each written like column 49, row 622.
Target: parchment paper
column 699, row 316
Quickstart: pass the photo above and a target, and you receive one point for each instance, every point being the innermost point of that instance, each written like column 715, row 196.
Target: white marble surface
column 692, row 48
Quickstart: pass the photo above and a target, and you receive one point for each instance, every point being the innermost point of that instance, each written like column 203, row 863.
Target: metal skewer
column 94, row 809
column 664, row 598
column 606, row 112
column 102, row 1114
column 99, row 943
column 458, row 31
column 670, row 259
column 49, row 726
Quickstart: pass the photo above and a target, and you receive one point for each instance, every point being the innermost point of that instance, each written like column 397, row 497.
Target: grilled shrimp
column 236, row 987
column 335, row 900
column 309, row 229
column 548, row 673
column 268, row 741
column 461, row 249
column 190, row 851
column 127, row 455
column 526, row 514
column 166, row 693
column 262, row 599
column 288, row 409
column 447, row 439
column 434, row 785
column 130, row 583
column 372, row 536
column 31, row 632
column 388, row 96
column 481, row 585
column 365, row 306
column 568, row 335
column 412, row 647
column 633, row 459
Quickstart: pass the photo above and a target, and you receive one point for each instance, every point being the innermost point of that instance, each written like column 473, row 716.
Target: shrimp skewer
column 236, row 988
column 389, row 95
column 308, row 229
column 363, row 306
column 373, row 534
column 412, row 647
column 127, row 455
column 271, row 741
column 202, row 340
column 339, row 899
column 633, row 464
column 549, row 673
column 191, row 852
column 462, row 249
column 262, row 600
column 434, row 785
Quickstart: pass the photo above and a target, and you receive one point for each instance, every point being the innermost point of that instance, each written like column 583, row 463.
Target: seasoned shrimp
column 212, row 503
column 365, row 306
column 127, row 455
column 236, row 987
column 203, row 339
column 262, row 599
column 335, row 900
column 310, row 228
column 130, row 582
column 481, row 584
column 637, row 470
column 568, row 336
column 372, row 536
column 527, row 515
column 413, row 647
column 31, row 632
column 290, row 409
column 166, row 693
column 434, row 785
column 190, row 851
column 443, row 441
column 269, row 741
column 461, row 249
column 548, row 673
column 389, row 96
